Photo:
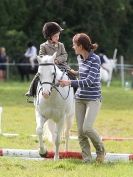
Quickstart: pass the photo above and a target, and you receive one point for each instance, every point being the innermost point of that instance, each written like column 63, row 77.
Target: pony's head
column 46, row 58
column 47, row 73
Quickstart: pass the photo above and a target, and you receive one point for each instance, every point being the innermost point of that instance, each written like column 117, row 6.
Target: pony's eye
column 53, row 73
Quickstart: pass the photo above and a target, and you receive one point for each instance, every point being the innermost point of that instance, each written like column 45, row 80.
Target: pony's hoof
column 43, row 155
column 56, row 158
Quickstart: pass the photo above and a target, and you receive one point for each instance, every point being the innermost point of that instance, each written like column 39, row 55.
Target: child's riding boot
column 33, row 86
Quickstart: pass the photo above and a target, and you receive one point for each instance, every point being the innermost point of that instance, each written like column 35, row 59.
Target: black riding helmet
column 51, row 28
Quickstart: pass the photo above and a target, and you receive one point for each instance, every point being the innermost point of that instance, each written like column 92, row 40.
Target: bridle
column 53, row 85
column 53, row 82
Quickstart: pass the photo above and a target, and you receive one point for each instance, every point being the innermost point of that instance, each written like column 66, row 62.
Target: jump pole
column 107, row 138
column 33, row 154
column 116, row 139
column 1, row 132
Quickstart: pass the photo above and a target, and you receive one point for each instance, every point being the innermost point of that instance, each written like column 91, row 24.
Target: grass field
column 115, row 120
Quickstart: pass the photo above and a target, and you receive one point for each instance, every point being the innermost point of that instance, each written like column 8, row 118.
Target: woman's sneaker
column 100, row 157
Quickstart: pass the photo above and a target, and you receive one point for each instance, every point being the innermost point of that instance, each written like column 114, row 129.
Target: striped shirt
column 89, row 85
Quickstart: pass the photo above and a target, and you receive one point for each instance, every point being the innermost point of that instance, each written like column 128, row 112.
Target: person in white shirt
column 31, row 53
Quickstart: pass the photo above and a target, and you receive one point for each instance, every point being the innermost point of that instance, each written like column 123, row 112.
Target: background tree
column 109, row 23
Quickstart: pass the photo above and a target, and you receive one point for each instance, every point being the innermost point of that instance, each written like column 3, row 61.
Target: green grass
column 114, row 119
column 62, row 168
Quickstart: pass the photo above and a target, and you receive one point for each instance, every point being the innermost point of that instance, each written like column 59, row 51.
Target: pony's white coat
column 52, row 106
column 105, row 75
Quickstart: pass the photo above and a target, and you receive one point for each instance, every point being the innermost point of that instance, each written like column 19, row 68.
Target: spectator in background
column 3, row 61
column 31, row 54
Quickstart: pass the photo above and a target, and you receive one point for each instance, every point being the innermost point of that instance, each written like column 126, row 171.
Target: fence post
column 122, row 71
column 1, row 109
column 115, row 53
column 7, row 71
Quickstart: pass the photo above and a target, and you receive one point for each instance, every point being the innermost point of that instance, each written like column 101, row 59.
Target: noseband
column 53, row 82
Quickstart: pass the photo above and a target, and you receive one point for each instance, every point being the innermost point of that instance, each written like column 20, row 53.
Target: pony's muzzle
column 46, row 94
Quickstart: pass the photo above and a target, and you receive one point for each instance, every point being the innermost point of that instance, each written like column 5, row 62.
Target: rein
column 53, row 83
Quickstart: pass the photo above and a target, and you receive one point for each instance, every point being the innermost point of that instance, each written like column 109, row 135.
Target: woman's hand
column 71, row 71
column 64, row 83
column 56, row 61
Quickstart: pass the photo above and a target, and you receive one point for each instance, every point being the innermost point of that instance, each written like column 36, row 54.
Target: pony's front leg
column 68, row 124
column 57, row 139
column 39, row 130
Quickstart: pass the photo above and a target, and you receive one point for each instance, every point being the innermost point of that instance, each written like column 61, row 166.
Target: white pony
column 110, row 65
column 53, row 103
column 106, row 74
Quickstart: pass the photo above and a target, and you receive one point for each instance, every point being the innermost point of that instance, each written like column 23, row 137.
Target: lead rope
column 60, row 93
column 57, row 85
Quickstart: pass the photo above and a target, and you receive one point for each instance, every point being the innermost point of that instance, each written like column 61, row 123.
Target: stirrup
column 29, row 101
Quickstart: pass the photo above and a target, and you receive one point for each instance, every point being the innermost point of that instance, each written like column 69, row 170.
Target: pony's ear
column 53, row 57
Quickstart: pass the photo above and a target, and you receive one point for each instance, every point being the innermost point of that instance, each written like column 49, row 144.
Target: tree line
column 109, row 23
